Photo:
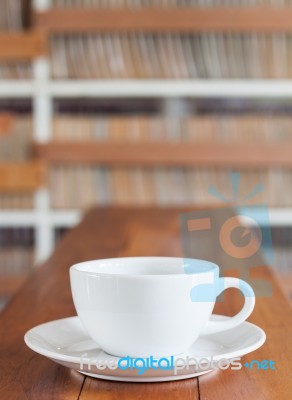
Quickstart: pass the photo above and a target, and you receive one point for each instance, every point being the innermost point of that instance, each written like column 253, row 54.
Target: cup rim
column 212, row 267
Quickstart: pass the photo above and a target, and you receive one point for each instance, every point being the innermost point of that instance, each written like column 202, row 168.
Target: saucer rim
column 152, row 379
column 76, row 359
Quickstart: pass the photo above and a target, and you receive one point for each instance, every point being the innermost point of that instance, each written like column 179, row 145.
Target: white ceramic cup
column 151, row 306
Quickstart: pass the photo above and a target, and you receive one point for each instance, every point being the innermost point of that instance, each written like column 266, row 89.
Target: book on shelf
column 16, row 259
column 15, row 146
column 168, row 55
column 202, row 55
column 164, row 185
column 83, row 185
column 11, row 15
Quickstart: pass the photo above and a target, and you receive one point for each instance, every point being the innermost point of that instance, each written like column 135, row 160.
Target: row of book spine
column 81, row 186
column 15, row 260
column 11, row 15
column 166, row 186
column 171, row 56
column 15, row 145
column 84, row 186
column 208, row 128
column 164, row 56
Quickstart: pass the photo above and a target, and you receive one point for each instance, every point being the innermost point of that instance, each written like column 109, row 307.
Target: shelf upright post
column 42, row 125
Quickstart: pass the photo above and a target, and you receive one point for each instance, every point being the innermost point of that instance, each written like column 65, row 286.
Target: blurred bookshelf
column 16, row 259
column 140, row 102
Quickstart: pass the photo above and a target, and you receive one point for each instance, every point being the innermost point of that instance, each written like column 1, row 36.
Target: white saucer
column 66, row 342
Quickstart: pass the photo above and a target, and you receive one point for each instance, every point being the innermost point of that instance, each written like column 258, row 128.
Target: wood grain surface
column 155, row 19
column 166, row 154
column 131, row 232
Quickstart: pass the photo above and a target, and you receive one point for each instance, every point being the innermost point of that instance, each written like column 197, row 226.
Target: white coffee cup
column 151, row 306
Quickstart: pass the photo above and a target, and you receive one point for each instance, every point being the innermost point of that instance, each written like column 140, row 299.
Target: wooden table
column 46, row 296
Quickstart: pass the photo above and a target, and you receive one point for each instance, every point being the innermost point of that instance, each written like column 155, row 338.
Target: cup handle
column 244, row 313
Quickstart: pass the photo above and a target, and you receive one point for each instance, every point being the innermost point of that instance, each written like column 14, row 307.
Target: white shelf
column 149, row 88
column 18, row 218
column 16, row 88
column 71, row 217
column 277, row 217
column 171, row 88
column 280, row 216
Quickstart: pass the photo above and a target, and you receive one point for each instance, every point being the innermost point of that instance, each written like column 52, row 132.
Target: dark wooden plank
column 9, row 284
column 104, row 390
column 47, row 296
column 223, row 19
column 285, row 281
column 165, row 154
column 275, row 317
